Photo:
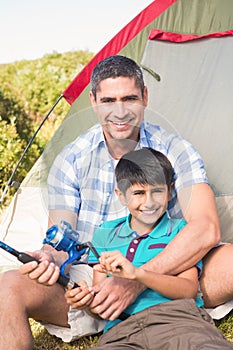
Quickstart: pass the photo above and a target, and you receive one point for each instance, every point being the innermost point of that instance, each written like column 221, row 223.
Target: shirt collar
column 163, row 228
column 142, row 140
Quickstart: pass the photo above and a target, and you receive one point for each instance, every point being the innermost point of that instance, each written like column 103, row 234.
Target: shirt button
column 135, row 241
column 131, row 250
column 108, row 194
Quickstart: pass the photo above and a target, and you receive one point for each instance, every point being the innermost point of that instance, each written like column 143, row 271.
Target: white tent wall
column 21, row 227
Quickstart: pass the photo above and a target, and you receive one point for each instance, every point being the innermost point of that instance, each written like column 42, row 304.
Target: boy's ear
column 120, row 196
column 170, row 191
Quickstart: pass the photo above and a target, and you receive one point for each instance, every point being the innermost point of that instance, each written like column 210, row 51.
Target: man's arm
column 201, row 233
column 56, row 216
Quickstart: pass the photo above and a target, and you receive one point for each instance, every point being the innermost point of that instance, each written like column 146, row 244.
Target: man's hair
column 144, row 166
column 113, row 67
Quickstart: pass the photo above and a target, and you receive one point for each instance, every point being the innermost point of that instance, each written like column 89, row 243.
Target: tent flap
column 157, row 34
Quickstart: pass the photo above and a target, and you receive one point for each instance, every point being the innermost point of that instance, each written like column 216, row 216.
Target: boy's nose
column 149, row 200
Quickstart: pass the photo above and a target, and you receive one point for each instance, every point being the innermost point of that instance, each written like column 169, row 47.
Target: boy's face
column 146, row 204
column 120, row 107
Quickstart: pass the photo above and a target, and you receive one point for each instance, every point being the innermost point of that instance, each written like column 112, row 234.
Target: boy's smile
column 147, row 204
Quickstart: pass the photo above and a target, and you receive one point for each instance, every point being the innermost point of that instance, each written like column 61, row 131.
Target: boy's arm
column 98, row 276
column 184, row 285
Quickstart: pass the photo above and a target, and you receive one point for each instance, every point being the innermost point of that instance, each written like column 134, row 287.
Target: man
column 81, row 184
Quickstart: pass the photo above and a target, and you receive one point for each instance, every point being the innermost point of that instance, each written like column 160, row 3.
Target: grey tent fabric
column 194, row 98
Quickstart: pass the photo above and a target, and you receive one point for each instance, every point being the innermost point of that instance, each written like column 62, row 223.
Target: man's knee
column 219, row 257
column 217, row 278
column 10, row 279
column 15, row 286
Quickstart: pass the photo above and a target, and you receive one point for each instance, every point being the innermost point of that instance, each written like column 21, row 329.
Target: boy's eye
column 158, row 190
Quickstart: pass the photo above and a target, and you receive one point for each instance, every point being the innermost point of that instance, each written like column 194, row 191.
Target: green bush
column 11, row 148
column 28, row 90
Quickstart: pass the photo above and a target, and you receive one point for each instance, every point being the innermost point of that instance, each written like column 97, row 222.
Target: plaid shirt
column 82, row 177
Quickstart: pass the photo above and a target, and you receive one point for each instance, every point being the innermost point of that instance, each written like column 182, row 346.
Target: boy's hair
column 113, row 67
column 144, row 166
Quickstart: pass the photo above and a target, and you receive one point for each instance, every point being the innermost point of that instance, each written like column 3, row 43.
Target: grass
column 44, row 341
column 226, row 326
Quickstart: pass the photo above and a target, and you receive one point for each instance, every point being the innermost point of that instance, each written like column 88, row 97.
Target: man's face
column 120, row 107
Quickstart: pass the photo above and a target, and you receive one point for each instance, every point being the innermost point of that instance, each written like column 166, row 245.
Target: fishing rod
column 25, row 258
column 63, row 238
column 16, row 184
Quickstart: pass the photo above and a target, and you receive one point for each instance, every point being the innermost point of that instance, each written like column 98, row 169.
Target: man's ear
column 121, row 196
column 92, row 99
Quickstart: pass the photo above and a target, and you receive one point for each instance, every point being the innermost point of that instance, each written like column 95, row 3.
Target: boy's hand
column 80, row 297
column 116, row 264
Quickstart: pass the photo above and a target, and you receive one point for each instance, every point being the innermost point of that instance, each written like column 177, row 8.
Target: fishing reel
column 64, row 238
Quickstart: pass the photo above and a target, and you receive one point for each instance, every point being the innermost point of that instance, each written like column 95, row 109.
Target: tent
column 185, row 48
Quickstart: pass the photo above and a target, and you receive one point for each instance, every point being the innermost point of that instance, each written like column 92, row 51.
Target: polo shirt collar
column 163, row 228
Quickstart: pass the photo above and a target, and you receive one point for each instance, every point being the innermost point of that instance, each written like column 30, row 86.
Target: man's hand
column 113, row 295
column 46, row 272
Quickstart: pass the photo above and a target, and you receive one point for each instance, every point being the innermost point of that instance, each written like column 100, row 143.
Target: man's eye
column 107, row 101
column 131, row 99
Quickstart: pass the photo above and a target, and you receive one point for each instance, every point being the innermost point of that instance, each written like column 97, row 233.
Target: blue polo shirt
column 118, row 235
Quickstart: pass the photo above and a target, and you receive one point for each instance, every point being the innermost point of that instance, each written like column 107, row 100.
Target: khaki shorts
column 80, row 322
column 175, row 325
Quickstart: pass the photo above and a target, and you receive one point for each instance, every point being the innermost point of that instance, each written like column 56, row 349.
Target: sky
column 30, row 29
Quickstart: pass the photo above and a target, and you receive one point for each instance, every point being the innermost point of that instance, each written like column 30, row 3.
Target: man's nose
column 120, row 110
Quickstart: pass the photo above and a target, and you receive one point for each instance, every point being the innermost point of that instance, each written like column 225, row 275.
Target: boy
column 168, row 314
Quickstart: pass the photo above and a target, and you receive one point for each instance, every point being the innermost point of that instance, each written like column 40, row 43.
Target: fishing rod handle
column 62, row 280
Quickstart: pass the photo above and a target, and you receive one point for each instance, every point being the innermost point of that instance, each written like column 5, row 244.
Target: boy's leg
column 178, row 324
column 22, row 298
